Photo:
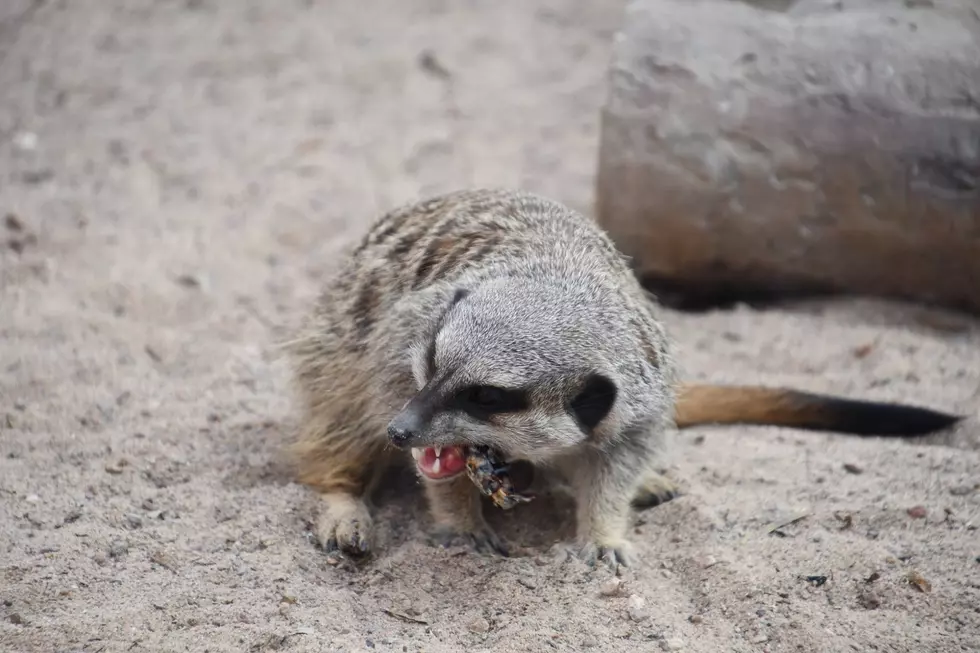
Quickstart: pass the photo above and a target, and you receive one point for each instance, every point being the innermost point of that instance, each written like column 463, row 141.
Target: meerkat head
column 519, row 366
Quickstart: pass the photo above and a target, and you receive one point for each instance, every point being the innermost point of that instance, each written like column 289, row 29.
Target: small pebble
column 32, row 498
column 636, row 608
column 589, row 641
column 118, row 549
column 527, row 582
column 611, row 587
column 115, row 468
column 478, row 625
column 673, row 644
column 917, row 512
column 161, row 558
column 17, row 620
column 25, row 141
column 696, row 619
column 961, row 490
column 761, row 638
column 851, row 468
column 134, row 521
column 868, row 600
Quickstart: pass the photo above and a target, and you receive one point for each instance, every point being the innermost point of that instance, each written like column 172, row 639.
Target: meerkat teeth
column 436, row 466
column 438, row 451
column 416, row 453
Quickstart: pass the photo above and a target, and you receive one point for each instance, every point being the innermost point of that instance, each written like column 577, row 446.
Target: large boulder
column 828, row 146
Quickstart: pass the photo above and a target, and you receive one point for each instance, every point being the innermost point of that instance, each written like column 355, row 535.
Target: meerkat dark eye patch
column 484, row 401
column 594, row 401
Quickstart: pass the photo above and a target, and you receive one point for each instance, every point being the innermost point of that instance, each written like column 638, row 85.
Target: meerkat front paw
column 344, row 525
column 482, row 538
column 612, row 554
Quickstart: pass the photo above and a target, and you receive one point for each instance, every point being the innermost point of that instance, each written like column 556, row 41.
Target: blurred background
column 177, row 177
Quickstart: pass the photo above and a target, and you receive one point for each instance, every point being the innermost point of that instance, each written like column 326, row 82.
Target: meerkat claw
column 346, row 533
column 655, row 491
column 482, row 540
column 489, row 542
column 612, row 556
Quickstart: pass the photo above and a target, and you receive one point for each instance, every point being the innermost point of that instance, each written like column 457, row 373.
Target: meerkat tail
column 713, row 404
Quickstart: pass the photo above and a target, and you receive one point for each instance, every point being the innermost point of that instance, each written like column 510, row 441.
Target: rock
column 118, row 548
column 589, row 641
column 725, row 173
column 696, row 619
column 917, row 512
column 25, row 141
column 851, row 468
column 636, row 608
column 869, row 600
column 611, row 587
column 165, row 560
column 116, row 467
column 72, row 517
column 527, row 582
column 673, row 644
column 478, row 624
column 706, row 562
column 134, row 520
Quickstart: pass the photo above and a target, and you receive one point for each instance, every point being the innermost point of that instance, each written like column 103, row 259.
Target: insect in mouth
column 491, row 475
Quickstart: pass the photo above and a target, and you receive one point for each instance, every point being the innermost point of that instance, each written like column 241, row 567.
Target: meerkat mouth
column 440, row 463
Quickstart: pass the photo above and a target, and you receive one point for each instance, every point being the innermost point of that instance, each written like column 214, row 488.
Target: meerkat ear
column 594, row 401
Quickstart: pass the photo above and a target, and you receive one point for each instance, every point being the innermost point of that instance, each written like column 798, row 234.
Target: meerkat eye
column 482, row 401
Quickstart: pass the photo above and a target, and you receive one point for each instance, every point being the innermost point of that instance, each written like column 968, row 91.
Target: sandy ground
column 194, row 172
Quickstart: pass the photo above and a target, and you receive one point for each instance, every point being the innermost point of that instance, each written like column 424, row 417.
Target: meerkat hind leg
column 656, row 489
column 456, row 509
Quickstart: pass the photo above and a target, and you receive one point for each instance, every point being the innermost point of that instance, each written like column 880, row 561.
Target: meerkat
column 505, row 319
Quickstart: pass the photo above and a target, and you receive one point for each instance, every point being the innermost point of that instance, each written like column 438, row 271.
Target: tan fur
column 708, row 404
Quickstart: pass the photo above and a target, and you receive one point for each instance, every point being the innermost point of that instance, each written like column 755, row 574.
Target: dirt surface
column 176, row 177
